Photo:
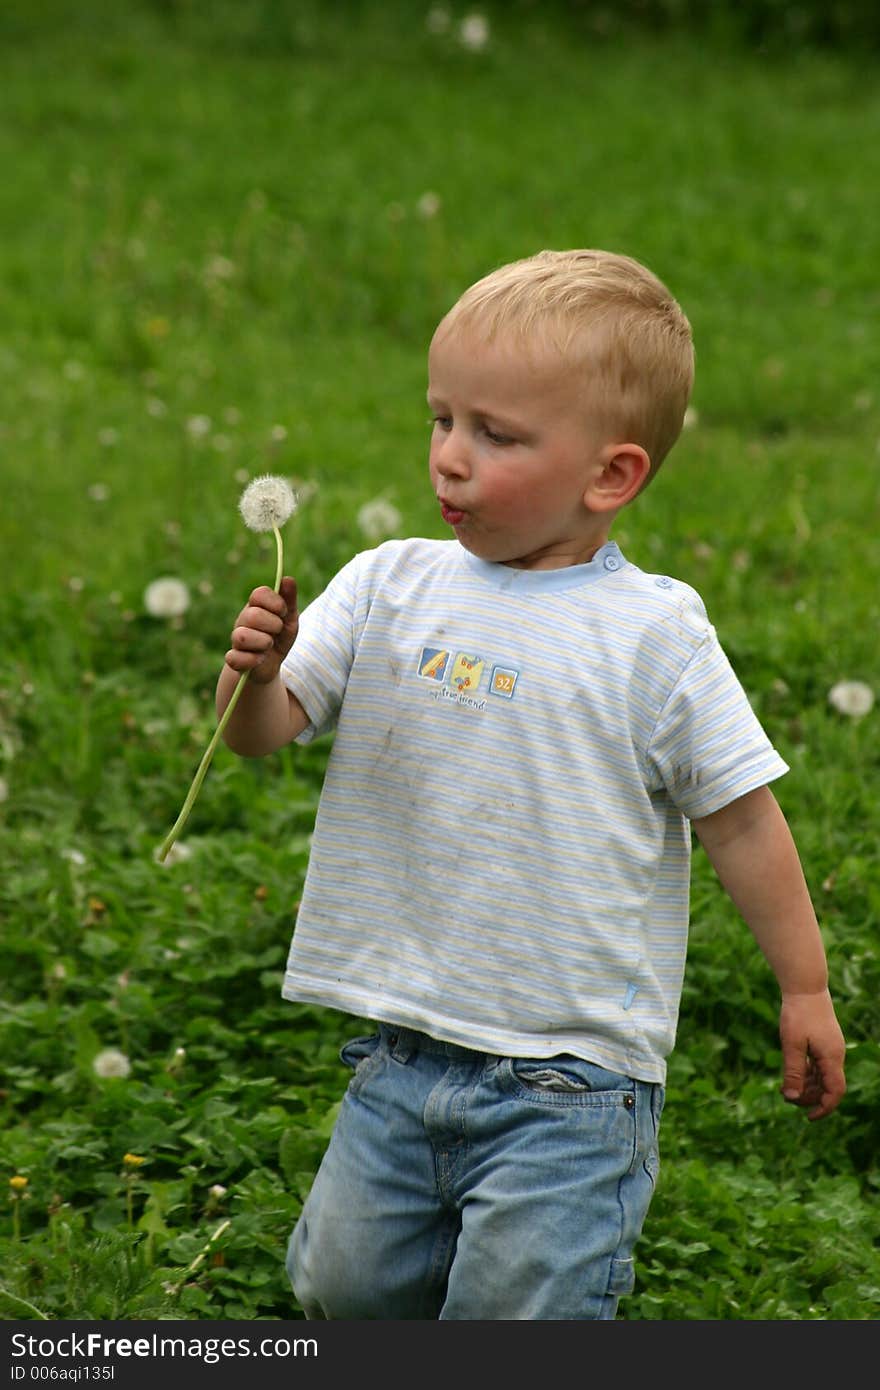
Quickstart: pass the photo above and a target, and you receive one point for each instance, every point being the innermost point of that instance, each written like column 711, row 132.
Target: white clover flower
column 108, row 436
column 156, row 407
column 217, row 1191
column 278, row 434
column 267, row 502
column 111, row 1062
column 854, row 698
column 378, row 519
column 99, row 492
column 166, row 597
column 74, row 856
column 473, row 32
column 428, row 205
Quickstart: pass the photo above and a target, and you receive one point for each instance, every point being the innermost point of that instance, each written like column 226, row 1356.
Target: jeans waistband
column 405, row 1042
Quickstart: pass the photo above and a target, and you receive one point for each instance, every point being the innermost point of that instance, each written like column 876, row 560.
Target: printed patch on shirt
column 432, row 663
column 467, row 672
column 503, row 681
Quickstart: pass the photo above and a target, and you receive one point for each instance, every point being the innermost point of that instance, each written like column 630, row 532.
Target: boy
column 526, row 726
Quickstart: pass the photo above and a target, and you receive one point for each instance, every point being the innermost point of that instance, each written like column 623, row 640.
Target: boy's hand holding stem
column 754, row 855
column 266, row 716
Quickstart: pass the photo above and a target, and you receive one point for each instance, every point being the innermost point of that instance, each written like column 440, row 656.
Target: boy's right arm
column 267, row 716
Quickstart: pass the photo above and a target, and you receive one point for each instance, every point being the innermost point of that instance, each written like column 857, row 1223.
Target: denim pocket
column 359, row 1054
column 566, row 1080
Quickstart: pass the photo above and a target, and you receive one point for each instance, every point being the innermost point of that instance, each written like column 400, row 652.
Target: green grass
column 219, row 218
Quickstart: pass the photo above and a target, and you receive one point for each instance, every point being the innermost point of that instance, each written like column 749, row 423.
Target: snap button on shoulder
column 611, row 562
column 663, row 582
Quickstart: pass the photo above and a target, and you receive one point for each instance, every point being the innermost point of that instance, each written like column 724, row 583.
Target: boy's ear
column 621, row 472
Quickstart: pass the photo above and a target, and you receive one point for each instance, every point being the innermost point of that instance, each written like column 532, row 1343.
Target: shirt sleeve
column 708, row 747
column 317, row 667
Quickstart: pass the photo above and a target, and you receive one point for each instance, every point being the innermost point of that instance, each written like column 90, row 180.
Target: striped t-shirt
column 501, row 855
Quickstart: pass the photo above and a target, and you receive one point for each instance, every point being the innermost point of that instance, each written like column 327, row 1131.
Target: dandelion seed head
column 217, row 1191
column 378, row 519
column 853, row 698
column 473, row 32
column 267, row 502
column 166, row 597
column 197, row 426
column 438, row 19
column 110, row 1062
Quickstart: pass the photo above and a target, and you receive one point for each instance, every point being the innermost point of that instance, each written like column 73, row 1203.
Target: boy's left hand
column 813, row 1051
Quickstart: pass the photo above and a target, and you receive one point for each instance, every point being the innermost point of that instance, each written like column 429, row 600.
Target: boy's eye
column 444, row 422
column 495, row 438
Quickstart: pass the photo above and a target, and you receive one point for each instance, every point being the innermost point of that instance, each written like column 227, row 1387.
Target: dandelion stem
column 208, row 754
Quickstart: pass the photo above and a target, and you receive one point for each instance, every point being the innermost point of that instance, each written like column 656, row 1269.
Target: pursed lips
column 451, row 515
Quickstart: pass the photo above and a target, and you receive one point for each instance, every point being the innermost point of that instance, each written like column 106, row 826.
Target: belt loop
column 401, row 1043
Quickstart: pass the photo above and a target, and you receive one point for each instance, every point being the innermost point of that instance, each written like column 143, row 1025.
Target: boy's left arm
column 752, row 851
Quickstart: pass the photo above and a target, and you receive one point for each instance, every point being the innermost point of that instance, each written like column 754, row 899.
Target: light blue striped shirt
column 501, row 855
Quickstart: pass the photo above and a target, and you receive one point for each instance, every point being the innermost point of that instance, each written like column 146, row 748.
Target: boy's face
column 513, row 453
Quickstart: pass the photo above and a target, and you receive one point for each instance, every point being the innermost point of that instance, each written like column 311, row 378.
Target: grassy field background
column 228, row 234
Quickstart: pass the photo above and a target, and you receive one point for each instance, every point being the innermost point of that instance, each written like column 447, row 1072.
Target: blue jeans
column 462, row 1185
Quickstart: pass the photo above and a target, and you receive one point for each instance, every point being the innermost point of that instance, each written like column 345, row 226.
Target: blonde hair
column 611, row 319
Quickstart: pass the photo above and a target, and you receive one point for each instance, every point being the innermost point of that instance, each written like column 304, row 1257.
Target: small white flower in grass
column 428, row 205
column 74, row 856
column 156, row 407
column 378, row 519
column 99, row 492
column 265, row 505
column 853, row 698
column 111, row 1063
column 108, row 437
column 278, row 434
column 217, row 1191
column 166, row 597
column 473, row 32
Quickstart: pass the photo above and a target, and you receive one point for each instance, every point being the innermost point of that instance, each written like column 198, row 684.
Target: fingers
column 266, row 625
column 818, row 1085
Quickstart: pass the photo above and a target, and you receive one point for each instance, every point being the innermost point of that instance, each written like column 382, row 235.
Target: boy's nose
column 451, row 456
